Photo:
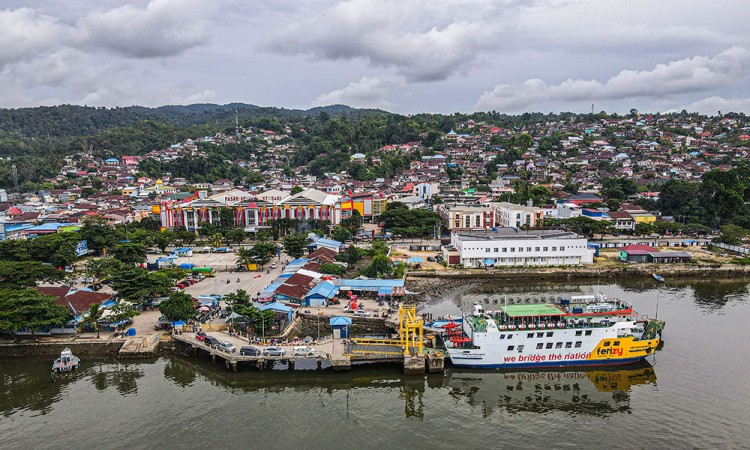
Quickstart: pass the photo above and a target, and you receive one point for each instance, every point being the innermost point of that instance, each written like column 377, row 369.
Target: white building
column 512, row 247
column 516, row 216
column 467, row 217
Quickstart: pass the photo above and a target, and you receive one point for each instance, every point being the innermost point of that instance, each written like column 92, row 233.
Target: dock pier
column 340, row 353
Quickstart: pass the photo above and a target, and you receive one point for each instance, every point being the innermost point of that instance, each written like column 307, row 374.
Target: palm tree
column 244, row 256
column 217, row 239
column 93, row 315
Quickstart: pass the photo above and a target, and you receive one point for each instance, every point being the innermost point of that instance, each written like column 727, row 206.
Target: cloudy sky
column 404, row 56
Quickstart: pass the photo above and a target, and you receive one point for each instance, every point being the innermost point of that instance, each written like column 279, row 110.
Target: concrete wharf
column 340, row 353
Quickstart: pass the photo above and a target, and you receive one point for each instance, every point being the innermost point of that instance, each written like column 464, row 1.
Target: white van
column 304, row 351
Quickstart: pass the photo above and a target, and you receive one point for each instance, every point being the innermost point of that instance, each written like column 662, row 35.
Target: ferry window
column 616, row 344
column 497, row 249
column 512, row 249
column 562, row 249
column 549, row 334
column 606, row 344
column 549, row 345
column 510, row 336
column 528, row 249
column 540, row 335
column 530, row 335
column 546, row 248
column 568, row 344
column 510, row 347
column 536, row 249
column 588, row 332
column 554, row 249
column 578, row 344
column 579, row 332
column 502, row 336
column 520, row 348
column 558, row 345
column 539, row 346
column 488, row 249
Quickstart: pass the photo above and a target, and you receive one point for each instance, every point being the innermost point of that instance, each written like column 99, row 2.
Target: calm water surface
column 695, row 393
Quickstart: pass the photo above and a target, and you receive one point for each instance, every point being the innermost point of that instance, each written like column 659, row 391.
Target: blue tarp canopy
column 385, row 291
column 489, row 262
column 415, row 260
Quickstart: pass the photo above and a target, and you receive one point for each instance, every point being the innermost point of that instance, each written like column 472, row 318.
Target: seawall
column 307, row 325
column 568, row 273
column 23, row 349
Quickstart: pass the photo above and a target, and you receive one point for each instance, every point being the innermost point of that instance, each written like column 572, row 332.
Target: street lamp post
column 318, row 324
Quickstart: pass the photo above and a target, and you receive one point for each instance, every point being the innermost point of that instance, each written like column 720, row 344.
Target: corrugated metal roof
column 325, row 289
column 372, row 283
column 340, row 320
column 671, row 254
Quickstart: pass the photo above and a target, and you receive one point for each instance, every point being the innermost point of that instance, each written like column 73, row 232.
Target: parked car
column 274, row 265
column 273, row 351
column 249, row 351
column 430, row 259
column 211, row 341
column 227, row 347
column 361, row 313
column 200, row 336
column 304, row 351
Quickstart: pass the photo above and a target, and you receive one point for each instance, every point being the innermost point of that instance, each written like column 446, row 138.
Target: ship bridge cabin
column 578, row 311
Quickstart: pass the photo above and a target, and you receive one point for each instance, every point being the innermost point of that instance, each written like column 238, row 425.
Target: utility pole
column 14, row 171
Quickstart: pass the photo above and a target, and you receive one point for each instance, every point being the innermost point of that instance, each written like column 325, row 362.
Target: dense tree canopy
column 179, row 306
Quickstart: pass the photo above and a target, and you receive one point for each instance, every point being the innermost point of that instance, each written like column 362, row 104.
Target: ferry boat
column 67, row 362
column 585, row 330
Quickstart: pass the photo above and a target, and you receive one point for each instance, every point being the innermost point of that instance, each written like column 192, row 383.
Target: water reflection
column 598, row 392
column 32, row 389
column 123, row 377
column 711, row 294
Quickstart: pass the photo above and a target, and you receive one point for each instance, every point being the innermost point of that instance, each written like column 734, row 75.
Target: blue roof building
column 396, row 287
column 327, row 243
column 321, row 293
column 281, row 308
column 342, row 327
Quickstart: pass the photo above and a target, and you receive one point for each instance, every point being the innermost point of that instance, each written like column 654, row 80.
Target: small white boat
column 67, row 362
column 658, row 278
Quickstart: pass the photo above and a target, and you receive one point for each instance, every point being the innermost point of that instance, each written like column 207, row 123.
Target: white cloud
column 424, row 40
column 697, row 74
column 162, row 28
column 286, row 52
column 368, row 92
column 712, row 105
column 24, row 34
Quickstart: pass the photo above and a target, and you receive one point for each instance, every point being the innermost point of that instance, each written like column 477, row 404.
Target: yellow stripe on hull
column 623, row 348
